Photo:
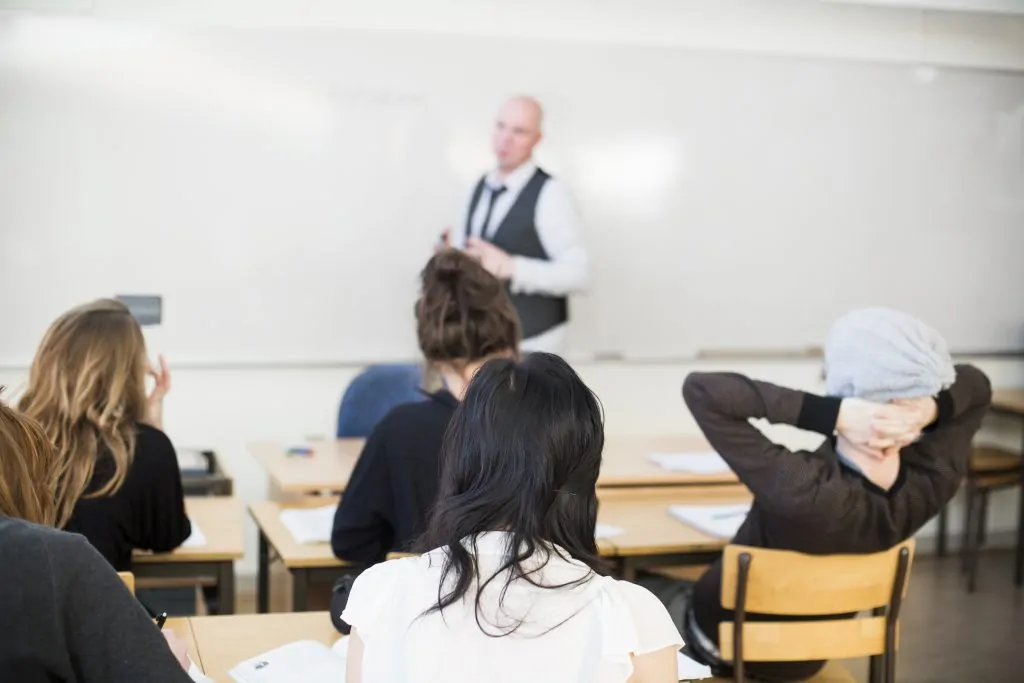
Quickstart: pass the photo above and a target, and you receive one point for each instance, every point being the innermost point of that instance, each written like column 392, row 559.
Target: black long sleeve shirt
column 147, row 512
column 810, row 502
column 394, row 482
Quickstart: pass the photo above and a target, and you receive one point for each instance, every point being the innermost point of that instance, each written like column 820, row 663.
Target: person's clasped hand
column 492, row 258
column 885, row 427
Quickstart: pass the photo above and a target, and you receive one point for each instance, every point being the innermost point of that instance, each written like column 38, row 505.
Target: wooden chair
column 1003, row 470
column 394, row 555
column 784, row 583
column 985, row 461
column 129, row 580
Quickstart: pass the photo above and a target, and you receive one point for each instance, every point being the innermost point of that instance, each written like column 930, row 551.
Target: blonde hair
column 28, row 470
column 86, row 387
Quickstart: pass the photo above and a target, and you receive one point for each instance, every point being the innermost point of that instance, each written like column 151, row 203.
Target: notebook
column 607, row 531
column 721, row 521
column 707, row 462
column 690, row 670
column 304, row 661
column 197, row 539
column 309, row 525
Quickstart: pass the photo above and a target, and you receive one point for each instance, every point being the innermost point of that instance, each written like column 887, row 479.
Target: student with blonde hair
column 118, row 481
column 66, row 615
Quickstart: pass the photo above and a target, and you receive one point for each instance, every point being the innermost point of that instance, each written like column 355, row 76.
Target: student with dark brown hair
column 463, row 319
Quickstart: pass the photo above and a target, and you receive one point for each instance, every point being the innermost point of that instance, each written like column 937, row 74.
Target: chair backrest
column 373, row 393
column 784, row 583
column 129, row 580
column 394, row 555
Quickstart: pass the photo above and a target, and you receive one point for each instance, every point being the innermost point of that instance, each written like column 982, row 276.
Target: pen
column 160, row 620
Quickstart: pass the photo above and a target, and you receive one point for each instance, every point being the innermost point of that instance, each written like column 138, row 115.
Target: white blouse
column 583, row 633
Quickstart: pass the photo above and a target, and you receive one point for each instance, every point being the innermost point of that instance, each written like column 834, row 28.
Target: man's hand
column 494, row 260
column 923, row 411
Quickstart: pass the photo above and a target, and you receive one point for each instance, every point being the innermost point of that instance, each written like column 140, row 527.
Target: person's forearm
column 554, row 278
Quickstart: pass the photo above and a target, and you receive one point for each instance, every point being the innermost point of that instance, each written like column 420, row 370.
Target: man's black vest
column 517, row 235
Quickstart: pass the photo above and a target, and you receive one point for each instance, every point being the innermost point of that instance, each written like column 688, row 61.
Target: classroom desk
column 307, row 562
column 224, row 642
column 625, row 463
column 221, row 520
column 221, row 643
column 326, row 470
column 651, row 536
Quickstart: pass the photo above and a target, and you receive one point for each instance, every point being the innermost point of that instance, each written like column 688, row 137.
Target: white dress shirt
column 582, row 633
column 559, row 231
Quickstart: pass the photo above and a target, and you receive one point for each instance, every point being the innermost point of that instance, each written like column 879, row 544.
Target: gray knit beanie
column 881, row 355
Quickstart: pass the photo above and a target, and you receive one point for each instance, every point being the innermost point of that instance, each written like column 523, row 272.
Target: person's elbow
column 352, row 547
column 169, row 537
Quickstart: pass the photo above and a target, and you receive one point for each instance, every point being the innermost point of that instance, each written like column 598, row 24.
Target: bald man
column 522, row 226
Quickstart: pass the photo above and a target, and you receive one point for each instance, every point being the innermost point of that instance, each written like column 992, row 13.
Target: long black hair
column 521, row 455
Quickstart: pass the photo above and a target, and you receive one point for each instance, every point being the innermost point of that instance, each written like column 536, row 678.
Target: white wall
column 223, row 409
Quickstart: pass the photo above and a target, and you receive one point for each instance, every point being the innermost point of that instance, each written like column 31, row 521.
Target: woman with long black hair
column 509, row 588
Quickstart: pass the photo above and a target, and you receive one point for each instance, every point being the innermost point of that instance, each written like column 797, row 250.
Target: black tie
column 495, row 193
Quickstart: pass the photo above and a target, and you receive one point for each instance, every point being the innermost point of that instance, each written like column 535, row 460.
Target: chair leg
column 966, row 541
column 1018, row 573
column 983, row 520
column 940, row 542
column 981, row 500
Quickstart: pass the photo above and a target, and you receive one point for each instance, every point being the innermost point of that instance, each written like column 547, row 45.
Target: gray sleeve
column 110, row 637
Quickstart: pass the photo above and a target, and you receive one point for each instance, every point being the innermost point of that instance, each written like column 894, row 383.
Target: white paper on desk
column 707, row 462
column 197, row 539
column 309, row 525
column 607, row 531
column 304, row 661
column 192, row 460
column 690, row 670
column 721, row 521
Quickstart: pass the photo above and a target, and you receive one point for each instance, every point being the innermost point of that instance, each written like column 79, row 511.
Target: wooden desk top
column 328, row 468
column 221, row 519
column 625, row 463
column 225, row 641
column 1008, row 401
column 650, row 530
column 183, row 629
column 294, row 555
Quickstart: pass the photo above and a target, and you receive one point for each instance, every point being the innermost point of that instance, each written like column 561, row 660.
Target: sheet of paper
column 690, row 670
column 309, row 525
column 305, row 660
column 721, row 521
column 707, row 462
column 607, row 531
column 192, row 460
column 197, row 539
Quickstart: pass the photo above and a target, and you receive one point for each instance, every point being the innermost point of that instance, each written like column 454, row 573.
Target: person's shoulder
column 641, row 601
column 433, row 409
column 648, row 626
column 154, row 451
column 378, row 589
column 35, row 544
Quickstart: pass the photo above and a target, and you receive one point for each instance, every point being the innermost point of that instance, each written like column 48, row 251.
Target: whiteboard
column 281, row 188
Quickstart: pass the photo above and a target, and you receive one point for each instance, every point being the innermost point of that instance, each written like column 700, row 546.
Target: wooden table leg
column 300, row 590
column 226, row 588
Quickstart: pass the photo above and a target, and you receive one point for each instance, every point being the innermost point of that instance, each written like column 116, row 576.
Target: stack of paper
column 309, row 525
column 607, row 531
column 690, row 670
column 707, row 462
column 306, row 660
column 192, row 461
column 721, row 521
column 196, row 539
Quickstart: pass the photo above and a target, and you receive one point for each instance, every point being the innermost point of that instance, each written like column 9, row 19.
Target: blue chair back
column 373, row 393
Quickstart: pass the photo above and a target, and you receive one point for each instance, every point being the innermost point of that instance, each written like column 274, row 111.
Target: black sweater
column 68, row 618
column 394, row 482
column 810, row 502
column 147, row 512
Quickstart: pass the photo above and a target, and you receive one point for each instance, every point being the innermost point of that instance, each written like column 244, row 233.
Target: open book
column 304, row 661
column 707, row 462
column 721, row 521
